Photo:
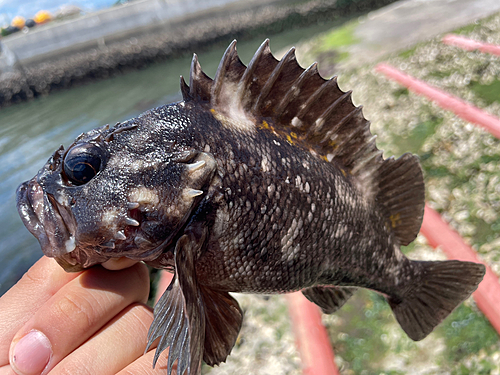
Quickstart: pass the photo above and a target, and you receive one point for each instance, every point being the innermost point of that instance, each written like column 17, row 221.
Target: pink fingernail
column 31, row 354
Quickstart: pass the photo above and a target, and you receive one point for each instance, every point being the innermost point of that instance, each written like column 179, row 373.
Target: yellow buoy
column 42, row 16
column 18, row 22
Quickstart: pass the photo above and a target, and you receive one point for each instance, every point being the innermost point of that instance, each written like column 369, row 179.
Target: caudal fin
column 443, row 286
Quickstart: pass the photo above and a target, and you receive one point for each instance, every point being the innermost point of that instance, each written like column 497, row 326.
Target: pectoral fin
column 194, row 321
column 179, row 316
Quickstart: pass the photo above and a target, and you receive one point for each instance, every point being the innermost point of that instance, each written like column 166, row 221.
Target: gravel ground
column 461, row 161
column 461, row 164
column 266, row 343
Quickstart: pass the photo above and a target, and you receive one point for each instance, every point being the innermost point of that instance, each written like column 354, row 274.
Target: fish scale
column 266, row 179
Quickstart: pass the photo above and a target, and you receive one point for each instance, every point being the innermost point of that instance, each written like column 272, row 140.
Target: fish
column 264, row 179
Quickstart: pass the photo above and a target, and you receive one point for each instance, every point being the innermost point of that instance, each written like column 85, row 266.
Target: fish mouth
column 42, row 216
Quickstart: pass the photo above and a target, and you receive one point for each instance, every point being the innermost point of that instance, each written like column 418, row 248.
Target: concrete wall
column 60, row 55
column 99, row 28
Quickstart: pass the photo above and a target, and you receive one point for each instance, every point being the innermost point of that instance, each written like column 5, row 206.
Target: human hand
column 91, row 322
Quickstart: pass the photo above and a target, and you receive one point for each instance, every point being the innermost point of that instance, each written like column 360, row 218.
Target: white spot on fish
column 298, row 182
column 296, row 122
column 270, row 190
column 70, row 244
column 344, row 194
column 319, row 123
column 234, row 117
column 341, row 230
column 144, row 196
column 62, row 199
column 265, row 165
column 109, row 217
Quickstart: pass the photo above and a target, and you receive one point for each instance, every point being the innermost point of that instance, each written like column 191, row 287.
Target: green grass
column 358, row 338
column 440, row 74
column 400, row 92
column 466, row 29
column 467, row 332
column 330, row 48
column 416, row 138
column 408, row 53
column 489, row 93
column 340, row 37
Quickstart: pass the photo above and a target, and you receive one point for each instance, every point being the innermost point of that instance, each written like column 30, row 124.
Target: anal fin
column 223, row 323
column 329, row 298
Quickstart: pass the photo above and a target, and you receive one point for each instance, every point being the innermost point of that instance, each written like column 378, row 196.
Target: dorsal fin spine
column 194, row 73
column 346, row 140
column 295, row 89
column 365, row 161
column 326, row 114
column 335, row 131
column 247, row 77
column 184, row 90
column 223, row 67
column 290, row 55
column 314, row 97
column 200, row 84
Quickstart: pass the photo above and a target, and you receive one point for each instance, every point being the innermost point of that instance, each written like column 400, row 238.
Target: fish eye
column 82, row 162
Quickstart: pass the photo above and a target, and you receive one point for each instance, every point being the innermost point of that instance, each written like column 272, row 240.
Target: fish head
column 113, row 193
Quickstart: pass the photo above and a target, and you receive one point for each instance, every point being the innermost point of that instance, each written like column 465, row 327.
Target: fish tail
column 442, row 287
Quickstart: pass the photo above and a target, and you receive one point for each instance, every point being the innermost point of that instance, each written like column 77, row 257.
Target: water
column 31, row 132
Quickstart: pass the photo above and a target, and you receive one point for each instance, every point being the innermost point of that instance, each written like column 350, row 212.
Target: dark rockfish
column 265, row 179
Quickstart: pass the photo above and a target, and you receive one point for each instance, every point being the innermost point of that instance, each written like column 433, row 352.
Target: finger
column 115, row 264
column 21, row 302
column 119, row 343
column 6, row 370
column 144, row 365
column 75, row 313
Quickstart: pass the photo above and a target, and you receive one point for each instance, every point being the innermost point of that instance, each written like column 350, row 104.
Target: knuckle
column 74, row 309
column 32, row 277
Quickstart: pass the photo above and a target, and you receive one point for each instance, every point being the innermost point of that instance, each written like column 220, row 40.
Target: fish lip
column 41, row 217
column 27, row 213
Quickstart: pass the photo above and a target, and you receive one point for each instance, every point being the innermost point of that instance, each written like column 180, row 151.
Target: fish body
column 265, row 179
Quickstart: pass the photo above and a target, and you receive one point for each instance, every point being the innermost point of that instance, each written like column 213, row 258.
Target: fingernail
column 31, row 354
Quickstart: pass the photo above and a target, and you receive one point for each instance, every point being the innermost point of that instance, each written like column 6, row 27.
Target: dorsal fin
column 306, row 110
